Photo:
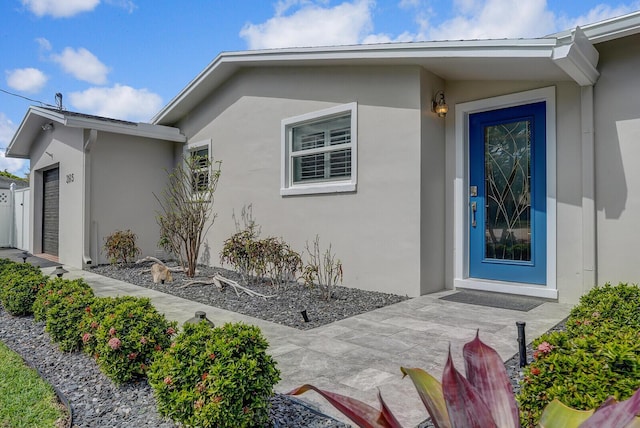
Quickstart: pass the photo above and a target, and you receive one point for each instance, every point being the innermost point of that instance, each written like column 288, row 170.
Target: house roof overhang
column 38, row 117
column 568, row 56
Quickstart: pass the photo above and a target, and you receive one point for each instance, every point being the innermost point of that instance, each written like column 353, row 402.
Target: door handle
column 474, row 208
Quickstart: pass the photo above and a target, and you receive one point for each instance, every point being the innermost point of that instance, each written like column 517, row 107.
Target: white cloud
column 489, row 20
column 7, row 130
column 407, row 4
column 83, row 65
column 43, row 44
column 26, row 79
column 119, row 102
column 312, row 25
column 598, row 13
column 60, row 8
column 129, row 5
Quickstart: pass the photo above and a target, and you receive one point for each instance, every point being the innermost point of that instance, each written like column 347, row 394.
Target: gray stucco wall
column 432, row 185
column 375, row 231
column 125, row 173
column 617, row 130
column 61, row 146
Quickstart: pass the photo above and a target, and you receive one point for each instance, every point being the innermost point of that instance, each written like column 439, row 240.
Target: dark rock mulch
column 284, row 307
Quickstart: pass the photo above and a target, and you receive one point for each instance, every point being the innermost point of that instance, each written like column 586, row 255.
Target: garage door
column 50, row 213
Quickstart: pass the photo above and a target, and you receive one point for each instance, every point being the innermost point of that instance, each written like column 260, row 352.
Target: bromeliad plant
column 483, row 399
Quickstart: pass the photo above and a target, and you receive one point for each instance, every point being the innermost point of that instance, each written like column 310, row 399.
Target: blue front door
column 507, row 194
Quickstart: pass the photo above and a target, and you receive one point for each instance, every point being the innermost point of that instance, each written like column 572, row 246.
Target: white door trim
column 461, row 277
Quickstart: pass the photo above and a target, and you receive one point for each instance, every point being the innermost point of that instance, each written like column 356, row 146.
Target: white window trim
column 195, row 146
column 461, row 194
column 286, row 184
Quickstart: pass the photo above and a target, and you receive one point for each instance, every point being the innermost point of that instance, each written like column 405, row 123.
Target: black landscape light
column 304, row 315
column 59, row 271
column 522, row 343
column 25, row 256
column 199, row 317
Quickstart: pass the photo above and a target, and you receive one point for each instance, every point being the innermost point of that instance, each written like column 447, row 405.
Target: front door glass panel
column 507, row 160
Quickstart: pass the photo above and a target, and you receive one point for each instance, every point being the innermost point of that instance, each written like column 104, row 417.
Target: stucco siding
column 617, row 131
column 375, row 231
column 60, row 147
column 432, row 185
column 125, row 173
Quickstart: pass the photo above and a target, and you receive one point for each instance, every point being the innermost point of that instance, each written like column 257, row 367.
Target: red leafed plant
column 483, row 399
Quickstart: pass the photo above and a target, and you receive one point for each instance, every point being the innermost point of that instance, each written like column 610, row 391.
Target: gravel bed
column 284, row 307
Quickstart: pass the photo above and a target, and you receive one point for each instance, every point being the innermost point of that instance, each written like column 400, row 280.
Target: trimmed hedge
column 19, row 285
column 596, row 357
column 124, row 335
column 219, row 377
column 216, row 377
column 64, row 305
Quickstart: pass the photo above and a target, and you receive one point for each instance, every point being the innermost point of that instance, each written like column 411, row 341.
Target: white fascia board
column 117, row 126
column 23, row 128
column 227, row 63
column 134, row 129
column 609, row 29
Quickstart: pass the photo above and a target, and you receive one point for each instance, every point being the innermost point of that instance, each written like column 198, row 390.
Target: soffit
column 37, row 117
column 530, row 59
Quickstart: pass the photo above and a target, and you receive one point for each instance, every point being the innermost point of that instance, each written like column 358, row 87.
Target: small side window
column 198, row 154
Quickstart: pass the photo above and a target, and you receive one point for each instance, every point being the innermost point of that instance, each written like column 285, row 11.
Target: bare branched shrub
column 322, row 269
column 187, row 209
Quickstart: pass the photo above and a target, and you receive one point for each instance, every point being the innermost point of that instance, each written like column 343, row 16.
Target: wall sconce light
column 439, row 105
column 47, row 126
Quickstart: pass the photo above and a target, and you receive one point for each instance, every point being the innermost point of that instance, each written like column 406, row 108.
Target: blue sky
column 127, row 58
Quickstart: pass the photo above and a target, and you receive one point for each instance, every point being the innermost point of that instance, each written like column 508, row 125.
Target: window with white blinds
column 319, row 152
column 198, row 154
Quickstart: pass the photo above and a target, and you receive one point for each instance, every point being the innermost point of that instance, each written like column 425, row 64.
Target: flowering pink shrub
column 125, row 333
column 86, row 337
column 62, row 303
column 545, row 347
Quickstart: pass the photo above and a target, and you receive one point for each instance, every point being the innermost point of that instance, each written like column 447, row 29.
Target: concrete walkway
column 360, row 355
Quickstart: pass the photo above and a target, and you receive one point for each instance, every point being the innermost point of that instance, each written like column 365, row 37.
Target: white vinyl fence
column 14, row 218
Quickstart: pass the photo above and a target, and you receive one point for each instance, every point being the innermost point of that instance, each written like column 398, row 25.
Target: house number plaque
column 70, row 178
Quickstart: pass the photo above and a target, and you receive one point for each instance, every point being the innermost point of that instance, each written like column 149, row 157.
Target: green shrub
column 216, row 377
column 121, row 246
column 255, row 258
column 596, row 357
column 280, row 261
column 63, row 307
column 43, row 297
column 4, row 264
column 123, row 335
column 606, row 307
column 20, row 284
column 242, row 252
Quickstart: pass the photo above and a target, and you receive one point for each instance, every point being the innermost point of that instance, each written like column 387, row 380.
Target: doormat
column 495, row 300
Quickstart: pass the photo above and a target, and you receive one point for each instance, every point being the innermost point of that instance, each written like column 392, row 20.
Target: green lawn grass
column 26, row 400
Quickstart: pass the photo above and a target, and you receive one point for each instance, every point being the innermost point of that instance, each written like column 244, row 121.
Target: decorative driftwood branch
column 150, row 259
column 218, row 281
column 160, row 262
